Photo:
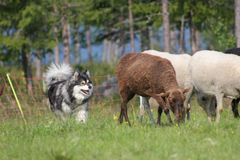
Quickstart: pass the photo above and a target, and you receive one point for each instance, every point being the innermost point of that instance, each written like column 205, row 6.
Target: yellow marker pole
column 15, row 95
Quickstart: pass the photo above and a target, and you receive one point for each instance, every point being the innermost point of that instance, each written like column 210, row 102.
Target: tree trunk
column 65, row 36
column 131, row 30
column 108, row 55
column 166, row 25
column 113, row 51
column 173, row 40
column 145, row 39
column 122, row 36
column 55, row 30
column 121, row 45
column 104, row 53
column 27, row 70
column 181, row 37
column 56, row 49
column 197, row 34
column 193, row 39
column 108, row 49
column 76, row 44
column 89, row 46
column 150, row 31
column 38, row 65
column 193, row 31
column 237, row 21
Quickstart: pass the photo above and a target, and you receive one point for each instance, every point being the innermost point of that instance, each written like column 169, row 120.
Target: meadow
column 44, row 137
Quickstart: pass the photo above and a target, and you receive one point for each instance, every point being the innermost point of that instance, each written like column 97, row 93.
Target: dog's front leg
column 81, row 114
column 60, row 115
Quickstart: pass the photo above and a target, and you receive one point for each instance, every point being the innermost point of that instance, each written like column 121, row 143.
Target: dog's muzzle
column 85, row 91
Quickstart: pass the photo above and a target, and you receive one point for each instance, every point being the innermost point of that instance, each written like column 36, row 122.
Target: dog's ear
column 75, row 75
column 87, row 73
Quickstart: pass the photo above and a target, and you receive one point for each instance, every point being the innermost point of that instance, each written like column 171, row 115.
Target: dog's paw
column 82, row 116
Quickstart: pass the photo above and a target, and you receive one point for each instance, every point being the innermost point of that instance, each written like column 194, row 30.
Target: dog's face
column 82, row 87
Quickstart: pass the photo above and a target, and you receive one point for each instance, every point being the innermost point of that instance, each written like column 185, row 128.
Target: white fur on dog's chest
column 79, row 100
column 77, row 94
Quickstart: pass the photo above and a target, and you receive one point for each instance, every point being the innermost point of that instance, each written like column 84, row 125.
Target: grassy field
column 103, row 138
column 46, row 138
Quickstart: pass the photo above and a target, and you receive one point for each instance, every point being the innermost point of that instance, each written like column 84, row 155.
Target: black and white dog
column 68, row 91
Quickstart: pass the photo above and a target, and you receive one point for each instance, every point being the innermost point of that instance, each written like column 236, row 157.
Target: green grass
column 103, row 138
column 45, row 138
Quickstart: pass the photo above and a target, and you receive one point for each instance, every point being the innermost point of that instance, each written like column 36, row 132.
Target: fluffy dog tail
column 56, row 73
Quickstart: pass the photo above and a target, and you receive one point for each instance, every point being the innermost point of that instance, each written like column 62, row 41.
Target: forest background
column 35, row 33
